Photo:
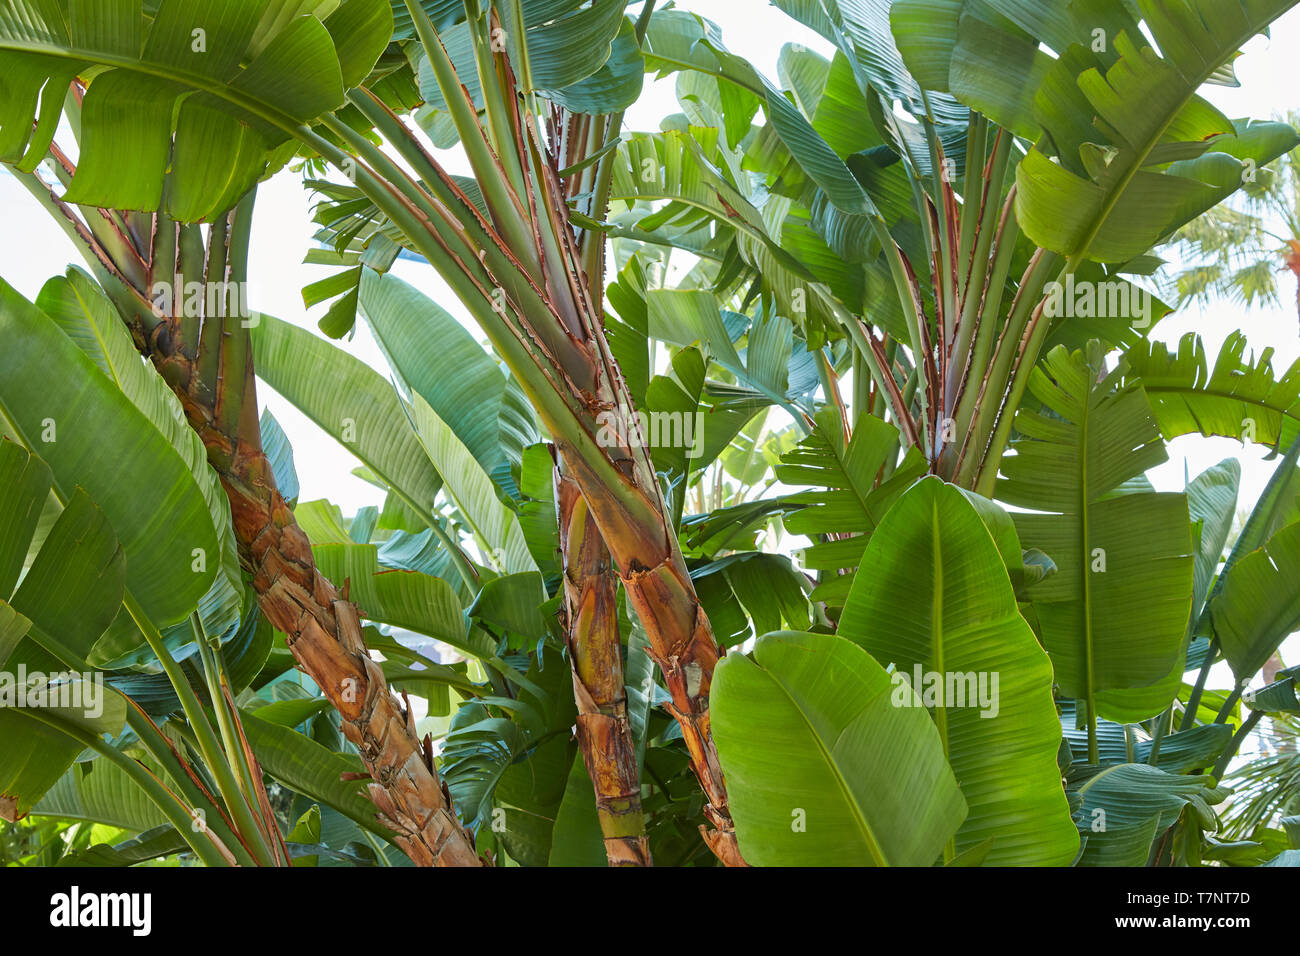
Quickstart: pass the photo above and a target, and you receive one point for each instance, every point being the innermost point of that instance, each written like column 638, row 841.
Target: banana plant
column 934, row 217
column 1160, row 818
column 899, row 216
column 82, row 586
column 201, row 346
column 192, row 740
column 521, row 269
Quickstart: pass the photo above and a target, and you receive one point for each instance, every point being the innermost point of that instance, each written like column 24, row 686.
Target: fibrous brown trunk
column 590, row 618
column 633, row 522
column 324, row 634
column 323, row 631
column 540, row 304
column 207, row 361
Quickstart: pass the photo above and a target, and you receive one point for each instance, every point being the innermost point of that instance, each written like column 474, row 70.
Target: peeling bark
column 212, row 375
column 324, row 634
column 633, row 522
column 590, row 619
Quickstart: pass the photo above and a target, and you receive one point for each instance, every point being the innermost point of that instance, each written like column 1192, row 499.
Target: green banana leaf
column 56, row 402
column 848, row 500
column 822, row 767
column 1259, row 604
column 1114, row 617
column 89, row 318
column 423, row 343
column 351, row 402
column 933, row 595
column 71, row 591
column 495, row 525
column 1239, row 397
column 207, row 91
column 1124, row 808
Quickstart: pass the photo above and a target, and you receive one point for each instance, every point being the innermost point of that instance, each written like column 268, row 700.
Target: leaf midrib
column 859, row 816
column 221, row 89
column 1141, row 154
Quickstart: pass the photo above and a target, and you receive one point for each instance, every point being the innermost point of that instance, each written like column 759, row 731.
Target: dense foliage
column 892, row 304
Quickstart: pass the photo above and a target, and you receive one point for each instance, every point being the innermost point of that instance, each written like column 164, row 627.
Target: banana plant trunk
column 621, row 492
column 535, row 283
column 590, row 620
column 207, row 361
column 323, row 632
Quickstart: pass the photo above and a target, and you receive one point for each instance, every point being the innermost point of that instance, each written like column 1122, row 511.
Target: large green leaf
column 822, row 767
column 848, row 502
column 615, row 86
column 1123, row 808
column 1258, row 606
column 203, row 88
column 577, row 839
column 351, row 402
column 1238, row 398
column 1212, row 501
column 1114, row 617
column 568, row 42
column 55, row 401
column 932, row 595
column 573, row 51
column 102, row 792
column 74, row 585
column 89, row 318
column 303, row 765
column 1115, row 112
column 44, row 735
column 1211, row 504
column 926, row 34
column 72, row 589
column 674, row 166
column 422, row 341
column 407, row 599
column 494, row 524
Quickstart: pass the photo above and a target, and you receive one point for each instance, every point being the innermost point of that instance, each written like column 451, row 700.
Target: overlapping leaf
column 1115, row 615
column 932, row 595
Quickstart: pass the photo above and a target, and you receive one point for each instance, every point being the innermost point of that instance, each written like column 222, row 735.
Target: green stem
column 1234, row 745
column 1026, row 360
column 487, row 169
column 1162, row 728
column 1226, row 710
column 976, row 150
column 985, row 325
column 977, row 287
column 159, row 795
column 204, row 735
column 225, row 720
column 158, row 747
column 1194, row 699
column 915, row 315
column 1094, row 756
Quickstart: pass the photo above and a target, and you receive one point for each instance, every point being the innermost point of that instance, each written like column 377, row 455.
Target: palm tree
column 1237, row 249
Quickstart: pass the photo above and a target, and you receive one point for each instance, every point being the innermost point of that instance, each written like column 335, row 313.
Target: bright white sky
column 37, row 249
